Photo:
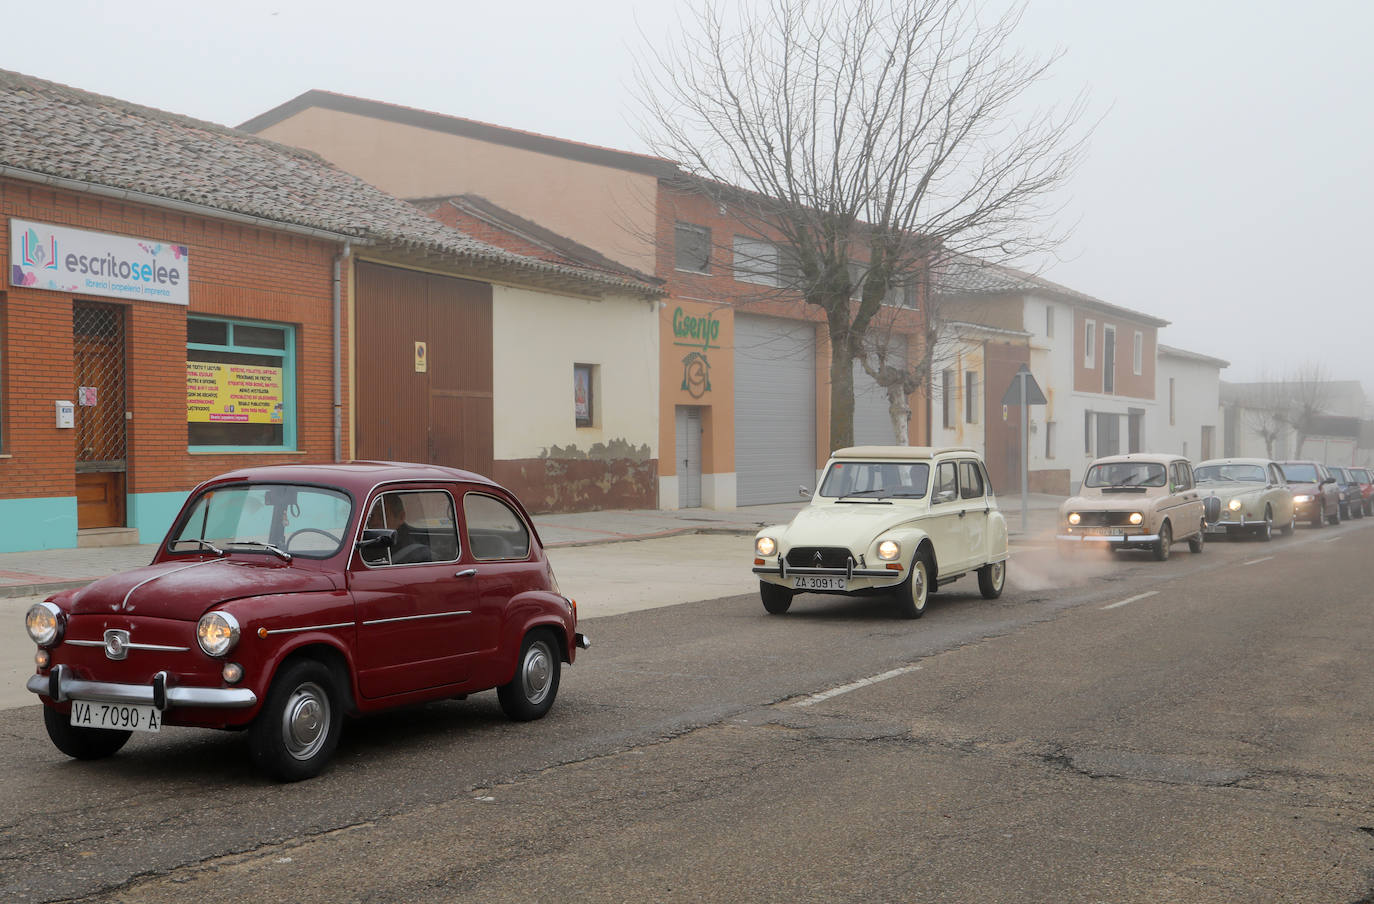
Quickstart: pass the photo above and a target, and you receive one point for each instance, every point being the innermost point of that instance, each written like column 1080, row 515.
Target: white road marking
column 1332, row 540
column 1257, row 561
column 862, row 682
column 1131, row 599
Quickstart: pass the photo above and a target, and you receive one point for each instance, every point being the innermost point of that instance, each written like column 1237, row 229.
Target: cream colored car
column 1252, row 497
column 894, row 520
column 1135, row 501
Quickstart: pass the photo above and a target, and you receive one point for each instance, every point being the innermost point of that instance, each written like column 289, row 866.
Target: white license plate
column 1106, row 531
column 1216, row 529
column 817, row 582
column 121, row 716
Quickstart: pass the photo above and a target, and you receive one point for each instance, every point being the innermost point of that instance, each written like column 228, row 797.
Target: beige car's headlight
column 1234, row 505
column 765, row 546
column 1136, row 517
column 1074, row 518
column 889, row 550
column 217, row 633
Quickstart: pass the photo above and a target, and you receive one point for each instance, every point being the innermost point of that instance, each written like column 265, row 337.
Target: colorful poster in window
column 218, row 392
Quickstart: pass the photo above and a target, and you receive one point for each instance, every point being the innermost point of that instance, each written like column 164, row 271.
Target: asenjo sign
column 234, row 393
column 702, row 332
column 43, row 256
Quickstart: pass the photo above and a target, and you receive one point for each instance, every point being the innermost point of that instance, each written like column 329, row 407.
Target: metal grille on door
column 98, row 350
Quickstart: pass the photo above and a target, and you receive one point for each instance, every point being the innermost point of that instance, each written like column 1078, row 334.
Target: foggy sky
column 1227, row 188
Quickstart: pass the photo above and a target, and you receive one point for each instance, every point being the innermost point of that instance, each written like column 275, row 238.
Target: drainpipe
column 338, row 348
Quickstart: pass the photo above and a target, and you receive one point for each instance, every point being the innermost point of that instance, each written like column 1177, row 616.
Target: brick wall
column 236, row 270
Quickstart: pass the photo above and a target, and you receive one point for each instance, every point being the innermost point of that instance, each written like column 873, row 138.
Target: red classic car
column 285, row 598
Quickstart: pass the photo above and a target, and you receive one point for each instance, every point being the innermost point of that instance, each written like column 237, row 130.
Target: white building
column 1188, row 390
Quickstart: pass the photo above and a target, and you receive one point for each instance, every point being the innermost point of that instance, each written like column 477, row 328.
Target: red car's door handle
column 467, row 573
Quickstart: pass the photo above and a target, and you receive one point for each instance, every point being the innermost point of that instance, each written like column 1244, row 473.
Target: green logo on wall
column 696, row 375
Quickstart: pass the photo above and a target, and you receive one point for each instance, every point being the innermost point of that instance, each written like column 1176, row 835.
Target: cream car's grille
column 1104, row 519
column 818, row 557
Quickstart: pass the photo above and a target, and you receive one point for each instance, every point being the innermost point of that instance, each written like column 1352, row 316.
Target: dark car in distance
column 286, row 598
column 1352, row 498
column 1316, row 498
column 1365, row 478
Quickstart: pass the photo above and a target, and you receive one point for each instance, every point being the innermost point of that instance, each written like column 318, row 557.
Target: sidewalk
column 46, row 571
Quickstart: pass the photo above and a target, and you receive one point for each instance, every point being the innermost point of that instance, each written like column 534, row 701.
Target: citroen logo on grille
column 116, row 644
column 818, row 558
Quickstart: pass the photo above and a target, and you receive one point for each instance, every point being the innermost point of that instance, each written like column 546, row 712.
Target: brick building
column 181, row 299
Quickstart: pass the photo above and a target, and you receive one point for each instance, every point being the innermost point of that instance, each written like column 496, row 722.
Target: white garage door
column 872, row 422
column 775, row 409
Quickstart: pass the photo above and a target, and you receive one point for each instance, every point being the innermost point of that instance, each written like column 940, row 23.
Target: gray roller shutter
column 775, row 408
column 872, row 422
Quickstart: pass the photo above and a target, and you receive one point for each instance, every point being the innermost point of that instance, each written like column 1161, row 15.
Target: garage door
column 872, row 421
column 775, row 409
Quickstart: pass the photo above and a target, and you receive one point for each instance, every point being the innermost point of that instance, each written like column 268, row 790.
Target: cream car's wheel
column 1165, row 542
column 1266, row 531
column 776, row 599
column 991, row 578
column 1199, row 539
column 914, row 592
column 1292, row 525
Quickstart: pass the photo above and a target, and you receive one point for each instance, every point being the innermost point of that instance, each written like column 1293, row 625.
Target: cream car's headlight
column 217, row 633
column 45, row 623
column 1074, row 518
column 1136, row 518
column 1234, row 505
column 765, row 546
column 1302, row 498
column 889, row 550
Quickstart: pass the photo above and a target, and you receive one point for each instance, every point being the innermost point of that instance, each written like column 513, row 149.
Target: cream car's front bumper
column 855, row 578
column 1122, row 540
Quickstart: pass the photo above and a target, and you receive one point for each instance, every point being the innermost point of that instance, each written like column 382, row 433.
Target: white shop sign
column 43, row 256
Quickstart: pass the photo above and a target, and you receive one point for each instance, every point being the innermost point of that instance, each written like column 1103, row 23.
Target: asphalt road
column 1112, row 729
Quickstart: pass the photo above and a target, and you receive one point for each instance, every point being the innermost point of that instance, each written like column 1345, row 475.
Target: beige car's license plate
column 117, row 716
column 818, row 582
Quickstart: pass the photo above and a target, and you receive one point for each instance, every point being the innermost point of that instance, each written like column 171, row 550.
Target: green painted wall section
column 29, row 524
column 152, row 514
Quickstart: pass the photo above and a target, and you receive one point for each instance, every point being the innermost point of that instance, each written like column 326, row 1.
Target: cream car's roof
column 901, row 453
column 1154, row 457
column 1259, row 462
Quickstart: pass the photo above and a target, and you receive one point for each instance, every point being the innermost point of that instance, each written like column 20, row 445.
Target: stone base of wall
column 579, row 484
column 1054, row 482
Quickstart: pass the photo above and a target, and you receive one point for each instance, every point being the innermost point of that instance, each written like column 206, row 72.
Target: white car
column 1252, row 497
column 895, row 520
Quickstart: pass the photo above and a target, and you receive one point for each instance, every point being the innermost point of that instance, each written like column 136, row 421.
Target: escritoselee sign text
column 43, row 256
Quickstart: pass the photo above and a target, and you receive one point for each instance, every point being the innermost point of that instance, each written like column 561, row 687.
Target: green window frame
column 242, row 342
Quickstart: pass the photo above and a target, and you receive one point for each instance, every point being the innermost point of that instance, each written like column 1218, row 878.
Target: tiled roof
column 57, row 131
column 480, row 218
column 964, row 275
column 1172, row 352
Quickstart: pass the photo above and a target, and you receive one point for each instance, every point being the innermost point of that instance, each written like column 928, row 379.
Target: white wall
column 1197, row 403
column 962, row 356
column 1051, row 362
column 538, row 337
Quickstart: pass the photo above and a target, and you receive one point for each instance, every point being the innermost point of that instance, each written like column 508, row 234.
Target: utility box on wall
column 66, row 415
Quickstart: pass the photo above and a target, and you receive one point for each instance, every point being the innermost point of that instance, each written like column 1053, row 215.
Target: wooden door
column 98, row 365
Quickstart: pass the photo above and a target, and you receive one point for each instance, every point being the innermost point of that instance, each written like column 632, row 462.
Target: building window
column 1109, row 359
column 1049, row 321
column 2, row 374
column 1138, row 359
column 1088, row 433
column 584, row 394
column 756, row 261
column 240, row 385
column 971, row 397
column 1090, row 344
column 947, row 397
column 692, row 248
column 1049, row 439
column 1171, row 402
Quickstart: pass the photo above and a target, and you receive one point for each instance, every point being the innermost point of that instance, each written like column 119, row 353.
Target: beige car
column 1252, row 497
column 1135, row 501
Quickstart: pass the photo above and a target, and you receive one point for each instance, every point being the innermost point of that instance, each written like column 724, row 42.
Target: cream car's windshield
column 876, row 480
column 1229, row 474
column 1126, row 474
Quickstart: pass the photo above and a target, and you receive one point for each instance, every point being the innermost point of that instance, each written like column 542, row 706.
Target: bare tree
column 884, row 131
column 1266, row 407
column 1309, row 394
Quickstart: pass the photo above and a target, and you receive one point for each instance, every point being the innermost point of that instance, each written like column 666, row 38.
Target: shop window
column 692, row 248
column 584, row 394
column 240, row 385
